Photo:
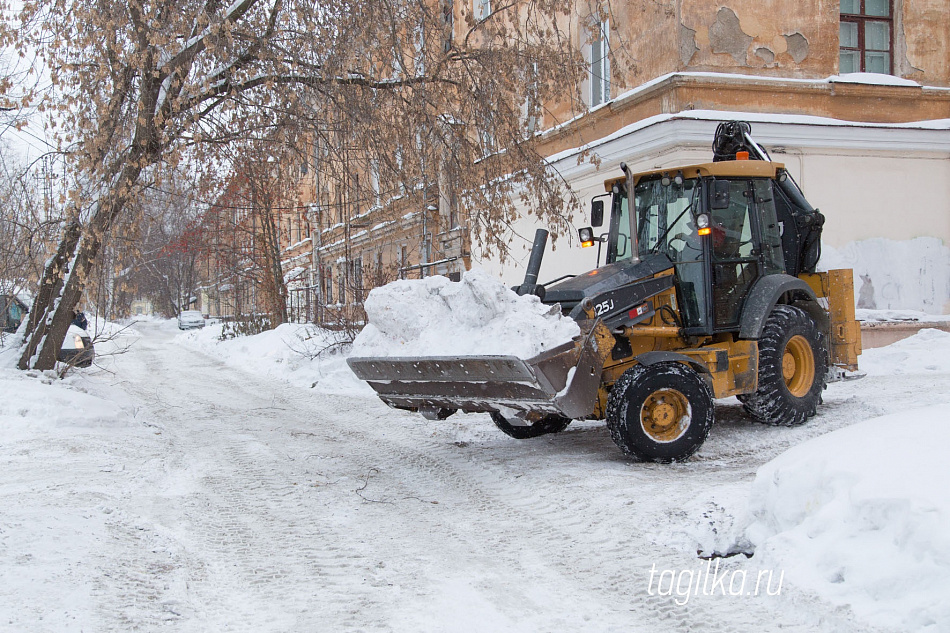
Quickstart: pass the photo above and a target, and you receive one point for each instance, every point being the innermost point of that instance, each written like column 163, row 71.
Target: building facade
column 853, row 96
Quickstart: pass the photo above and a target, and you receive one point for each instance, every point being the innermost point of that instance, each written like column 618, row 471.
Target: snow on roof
column 294, row 273
column 854, row 78
column 873, row 79
column 751, row 117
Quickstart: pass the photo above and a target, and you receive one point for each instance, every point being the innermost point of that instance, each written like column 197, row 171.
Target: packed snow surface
column 476, row 316
column 861, row 516
column 190, row 484
column 927, row 352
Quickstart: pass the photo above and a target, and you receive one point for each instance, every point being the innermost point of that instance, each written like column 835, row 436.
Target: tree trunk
column 51, row 286
column 54, row 307
column 273, row 275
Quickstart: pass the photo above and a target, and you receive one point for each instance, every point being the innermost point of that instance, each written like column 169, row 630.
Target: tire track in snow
column 552, row 534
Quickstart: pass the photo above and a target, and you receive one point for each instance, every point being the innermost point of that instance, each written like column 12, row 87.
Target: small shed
column 12, row 311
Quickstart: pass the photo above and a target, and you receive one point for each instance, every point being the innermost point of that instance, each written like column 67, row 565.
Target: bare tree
column 242, row 229
column 166, row 272
column 138, row 84
column 27, row 228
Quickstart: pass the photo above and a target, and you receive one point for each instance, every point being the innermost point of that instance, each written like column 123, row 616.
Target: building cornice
column 839, row 98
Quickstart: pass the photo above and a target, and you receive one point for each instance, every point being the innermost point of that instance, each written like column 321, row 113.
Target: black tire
column 677, row 394
column 545, row 426
column 793, row 361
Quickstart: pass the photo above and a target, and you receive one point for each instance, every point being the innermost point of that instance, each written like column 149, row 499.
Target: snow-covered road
column 235, row 502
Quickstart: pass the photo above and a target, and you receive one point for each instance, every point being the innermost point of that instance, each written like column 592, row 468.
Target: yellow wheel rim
column 665, row 415
column 798, row 366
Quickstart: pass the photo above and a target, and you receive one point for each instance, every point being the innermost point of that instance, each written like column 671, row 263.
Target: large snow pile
column 860, row 516
column 476, row 316
column 926, row 352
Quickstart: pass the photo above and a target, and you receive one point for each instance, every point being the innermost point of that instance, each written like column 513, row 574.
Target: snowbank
column 926, row 352
column 32, row 402
column 303, row 354
column 898, row 316
column 860, row 517
column 476, row 316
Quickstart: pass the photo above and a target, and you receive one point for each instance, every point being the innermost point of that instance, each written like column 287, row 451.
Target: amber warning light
column 586, row 236
column 702, row 222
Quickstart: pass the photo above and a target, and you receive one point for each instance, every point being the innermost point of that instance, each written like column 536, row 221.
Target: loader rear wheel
column 545, row 426
column 660, row 413
column 793, row 360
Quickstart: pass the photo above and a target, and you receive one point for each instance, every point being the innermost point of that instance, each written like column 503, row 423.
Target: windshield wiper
column 659, row 240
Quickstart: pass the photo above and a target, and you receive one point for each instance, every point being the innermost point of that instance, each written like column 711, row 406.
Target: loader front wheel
column 660, row 413
column 545, row 426
column 792, row 365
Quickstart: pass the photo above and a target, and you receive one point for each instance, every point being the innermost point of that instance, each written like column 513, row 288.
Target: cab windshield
column 664, row 214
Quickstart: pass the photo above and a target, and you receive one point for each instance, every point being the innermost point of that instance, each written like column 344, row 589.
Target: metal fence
column 303, row 306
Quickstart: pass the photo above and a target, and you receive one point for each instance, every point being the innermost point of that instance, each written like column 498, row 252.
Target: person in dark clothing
column 79, row 319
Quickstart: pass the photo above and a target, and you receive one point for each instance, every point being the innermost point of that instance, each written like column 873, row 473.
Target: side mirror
column 597, row 213
column 719, row 195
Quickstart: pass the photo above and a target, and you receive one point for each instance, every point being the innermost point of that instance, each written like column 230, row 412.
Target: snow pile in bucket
column 476, row 316
column 860, row 517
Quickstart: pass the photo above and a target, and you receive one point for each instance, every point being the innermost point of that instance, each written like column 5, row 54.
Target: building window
column 341, row 285
column 482, row 9
column 448, row 17
column 600, row 64
column 866, row 36
column 357, row 274
column 329, row 284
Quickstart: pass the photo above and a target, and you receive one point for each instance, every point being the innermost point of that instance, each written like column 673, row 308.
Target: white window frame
column 481, row 9
column 599, row 69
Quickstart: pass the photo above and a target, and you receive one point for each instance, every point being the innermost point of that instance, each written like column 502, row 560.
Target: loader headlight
column 78, row 341
column 586, row 236
column 702, row 223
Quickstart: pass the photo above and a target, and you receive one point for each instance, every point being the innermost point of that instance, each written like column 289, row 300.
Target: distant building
column 140, row 307
column 13, row 308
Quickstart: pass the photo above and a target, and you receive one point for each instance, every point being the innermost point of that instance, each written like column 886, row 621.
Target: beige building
column 853, row 96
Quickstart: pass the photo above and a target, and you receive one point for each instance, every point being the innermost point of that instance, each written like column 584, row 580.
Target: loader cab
column 717, row 226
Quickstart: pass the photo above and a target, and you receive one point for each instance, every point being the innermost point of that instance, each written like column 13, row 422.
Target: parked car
column 77, row 349
column 190, row 319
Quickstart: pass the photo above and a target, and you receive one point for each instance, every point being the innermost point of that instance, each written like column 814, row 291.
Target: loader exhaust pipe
column 530, row 284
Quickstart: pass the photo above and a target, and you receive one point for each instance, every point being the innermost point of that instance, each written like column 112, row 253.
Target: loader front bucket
column 563, row 380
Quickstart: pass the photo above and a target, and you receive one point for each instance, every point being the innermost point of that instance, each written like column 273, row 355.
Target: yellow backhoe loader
column 709, row 290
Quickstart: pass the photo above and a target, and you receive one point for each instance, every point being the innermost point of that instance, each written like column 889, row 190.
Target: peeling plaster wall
column 647, row 41
column 793, row 39
column 924, row 53
column 799, row 39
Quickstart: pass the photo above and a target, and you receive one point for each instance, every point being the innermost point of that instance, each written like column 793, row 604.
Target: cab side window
column 772, row 255
column 734, row 261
